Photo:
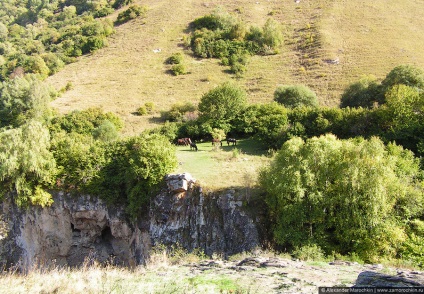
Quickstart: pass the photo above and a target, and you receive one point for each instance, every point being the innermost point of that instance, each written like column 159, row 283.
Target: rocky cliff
column 80, row 228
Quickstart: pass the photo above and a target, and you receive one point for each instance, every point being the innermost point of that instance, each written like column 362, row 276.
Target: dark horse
column 184, row 141
column 216, row 141
column 193, row 146
column 231, row 140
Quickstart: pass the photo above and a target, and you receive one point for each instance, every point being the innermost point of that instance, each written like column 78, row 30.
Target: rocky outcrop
column 215, row 223
column 71, row 231
column 81, row 229
column 401, row 279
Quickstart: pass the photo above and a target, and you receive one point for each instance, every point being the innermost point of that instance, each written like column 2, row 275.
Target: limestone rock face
column 215, row 223
column 82, row 229
column 402, row 279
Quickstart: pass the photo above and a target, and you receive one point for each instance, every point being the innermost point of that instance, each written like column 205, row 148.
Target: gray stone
column 376, row 279
column 77, row 230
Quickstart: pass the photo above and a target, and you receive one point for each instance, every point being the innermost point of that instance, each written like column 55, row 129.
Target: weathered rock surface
column 401, row 279
column 76, row 229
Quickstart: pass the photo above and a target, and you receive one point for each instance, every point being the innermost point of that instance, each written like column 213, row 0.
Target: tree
column 293, row 96
column 407, row 75
column 79, row 159
column 272, row 35
column 24, row 98
column 135, row 166
column 403, row 115
column 343, row 195
column 363, row 93
column 220, row 106
column 27, row 166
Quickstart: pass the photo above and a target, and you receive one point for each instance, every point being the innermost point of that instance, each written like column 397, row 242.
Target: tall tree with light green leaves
column 27, row 167
column 344, row 195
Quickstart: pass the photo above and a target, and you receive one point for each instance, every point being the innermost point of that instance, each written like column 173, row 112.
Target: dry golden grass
column 368, row 37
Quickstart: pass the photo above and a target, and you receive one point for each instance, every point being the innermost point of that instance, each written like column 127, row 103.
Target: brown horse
column 216, row 141
column 184, row 141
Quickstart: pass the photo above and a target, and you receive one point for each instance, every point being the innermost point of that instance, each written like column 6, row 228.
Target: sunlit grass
column 226, row 166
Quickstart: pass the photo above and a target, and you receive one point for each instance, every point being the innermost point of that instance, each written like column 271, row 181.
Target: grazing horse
column 216, row 141
column 231, row 140
column 181, row 142
column 187, row 140
column 193, row 146
column 184, row 141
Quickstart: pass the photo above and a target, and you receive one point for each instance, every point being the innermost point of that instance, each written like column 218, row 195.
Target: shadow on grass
column 247, row 146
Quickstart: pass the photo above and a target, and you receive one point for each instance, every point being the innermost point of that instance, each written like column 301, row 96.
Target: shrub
column 134, row 168
column 295, row 95
column 309, row 252
column 132, row 12
column 150, row 106
column 272, row 34
column 85, row 121
column 175, row 58
column 142, row 110
column 120, row 3
column 178, row 69
column 364, row 93
column 106, row 132
column 179, row 111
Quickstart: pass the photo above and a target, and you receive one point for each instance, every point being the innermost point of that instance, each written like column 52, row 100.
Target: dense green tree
column 268, row 122
column 220, row 106
column 85, row 121
column 403, row 115
column 134, row 167
column 27, row 166
column 22, row 99
column 293, row 96
column 343, row 195
column 79, row 159
column 364, row 93
column 407, row 75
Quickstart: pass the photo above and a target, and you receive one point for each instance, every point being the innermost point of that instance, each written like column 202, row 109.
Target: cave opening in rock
column 106, row 234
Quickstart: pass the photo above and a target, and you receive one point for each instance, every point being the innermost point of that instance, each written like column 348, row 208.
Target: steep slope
column 366, row 37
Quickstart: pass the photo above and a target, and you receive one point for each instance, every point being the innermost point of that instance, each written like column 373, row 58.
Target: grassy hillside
column 367, row 37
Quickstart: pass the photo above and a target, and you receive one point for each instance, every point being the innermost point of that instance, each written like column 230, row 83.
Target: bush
column 178, row 69
column 142, row 110
column 175, row 58
column 106, row 132
column 150, row 106
column 179, row 111
column 309, row 252
column 85, row 121
column 134, row 167
column 364, row 93
column 121, row 3
column 293, row 96
column 132, row 12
